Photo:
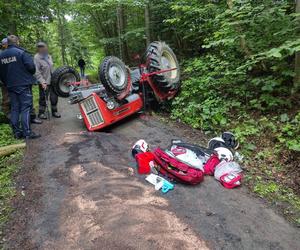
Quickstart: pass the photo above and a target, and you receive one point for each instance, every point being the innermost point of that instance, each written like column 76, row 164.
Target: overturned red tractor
column 122, row 91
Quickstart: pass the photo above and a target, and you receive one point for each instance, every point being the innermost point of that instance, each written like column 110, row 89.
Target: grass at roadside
column 268, row 176
column 8, row 168
column 271, row 163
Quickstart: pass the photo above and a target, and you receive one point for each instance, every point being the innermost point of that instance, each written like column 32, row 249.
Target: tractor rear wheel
column 161, row 57
column 61, row 79
column 113, row 75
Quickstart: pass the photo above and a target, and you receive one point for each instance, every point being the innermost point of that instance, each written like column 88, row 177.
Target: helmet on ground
column 230, row 140
column 216, row 142
column 141, row 146
column 224, row 154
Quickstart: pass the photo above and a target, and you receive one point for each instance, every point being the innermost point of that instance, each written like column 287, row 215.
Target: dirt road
column 80, row 193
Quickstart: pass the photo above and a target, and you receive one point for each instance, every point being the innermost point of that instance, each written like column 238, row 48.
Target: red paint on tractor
column 108, row 116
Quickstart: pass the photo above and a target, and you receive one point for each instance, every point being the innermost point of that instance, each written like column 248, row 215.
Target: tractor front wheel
column 113, row 75
column 61, row 79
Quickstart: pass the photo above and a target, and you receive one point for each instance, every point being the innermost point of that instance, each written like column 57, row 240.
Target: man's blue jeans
column 21, row 102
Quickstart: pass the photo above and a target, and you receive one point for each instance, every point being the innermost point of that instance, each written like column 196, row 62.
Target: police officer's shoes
column 56, row 115
column 18, row 136
column 32, row 136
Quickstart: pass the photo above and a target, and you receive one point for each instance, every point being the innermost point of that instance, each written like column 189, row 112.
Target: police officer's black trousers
column 44, row 95
column 21, row 103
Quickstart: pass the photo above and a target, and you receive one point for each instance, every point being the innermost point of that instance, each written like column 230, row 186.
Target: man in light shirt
column 44, row 68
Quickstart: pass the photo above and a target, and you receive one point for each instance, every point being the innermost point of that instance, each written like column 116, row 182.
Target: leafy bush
column 245, row 64
column 202, row 102
column 289, row 134
column 6, row 135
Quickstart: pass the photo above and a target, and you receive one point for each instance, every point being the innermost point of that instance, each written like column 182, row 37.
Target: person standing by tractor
column 44, row 68
column 5, row 97
column 16, row 72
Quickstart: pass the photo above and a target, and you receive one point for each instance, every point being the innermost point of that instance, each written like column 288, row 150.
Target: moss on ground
column 279, row 195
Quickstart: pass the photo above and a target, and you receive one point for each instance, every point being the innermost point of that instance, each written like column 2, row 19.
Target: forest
column 240, row 65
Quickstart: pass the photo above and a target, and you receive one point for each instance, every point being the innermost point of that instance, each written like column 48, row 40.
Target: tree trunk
column 8, row 150
column 147, row 23
column 62, row 40
column 101, row 30
column 243, row 43
column 61, row 31
column 12, row 28
column 122, row 28
column 11, row 17
column 244, row 47
column 297, row 58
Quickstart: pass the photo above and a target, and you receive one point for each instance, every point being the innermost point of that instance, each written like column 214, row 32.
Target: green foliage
column 6, row 136
column 276, row 192
column 289, row 134
column 24, row 18
column 190, row 22
column 199, row 103
column 243, row 67
column 101, row 23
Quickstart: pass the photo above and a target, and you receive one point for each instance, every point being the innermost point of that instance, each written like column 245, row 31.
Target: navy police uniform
column 16, row 72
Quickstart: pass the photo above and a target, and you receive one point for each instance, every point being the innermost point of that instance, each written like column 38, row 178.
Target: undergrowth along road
column 264, row 170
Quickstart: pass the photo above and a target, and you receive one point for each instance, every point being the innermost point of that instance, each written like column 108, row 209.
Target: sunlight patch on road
column 72, row 137
column 114, row 205
column 85, row 205
column 77, row 172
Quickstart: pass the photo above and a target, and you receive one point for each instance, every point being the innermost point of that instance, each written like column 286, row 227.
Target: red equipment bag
column 143, row 162
column 210, row 165
column 229, row 174
column 177, row 170
column 235, row 180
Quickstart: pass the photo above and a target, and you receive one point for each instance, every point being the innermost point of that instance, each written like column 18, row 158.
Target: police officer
column 5, row 99
column 44, row 68
column 16, row 72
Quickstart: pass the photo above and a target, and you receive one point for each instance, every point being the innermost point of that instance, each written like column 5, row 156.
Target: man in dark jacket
column 16, row 72
column 5, row 99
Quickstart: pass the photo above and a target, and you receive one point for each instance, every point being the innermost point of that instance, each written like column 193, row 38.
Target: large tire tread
column 154, row 54
column 104, row 77
column 56, row 77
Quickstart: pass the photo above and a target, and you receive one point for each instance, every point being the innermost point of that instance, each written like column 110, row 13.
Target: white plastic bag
column 225, row 167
